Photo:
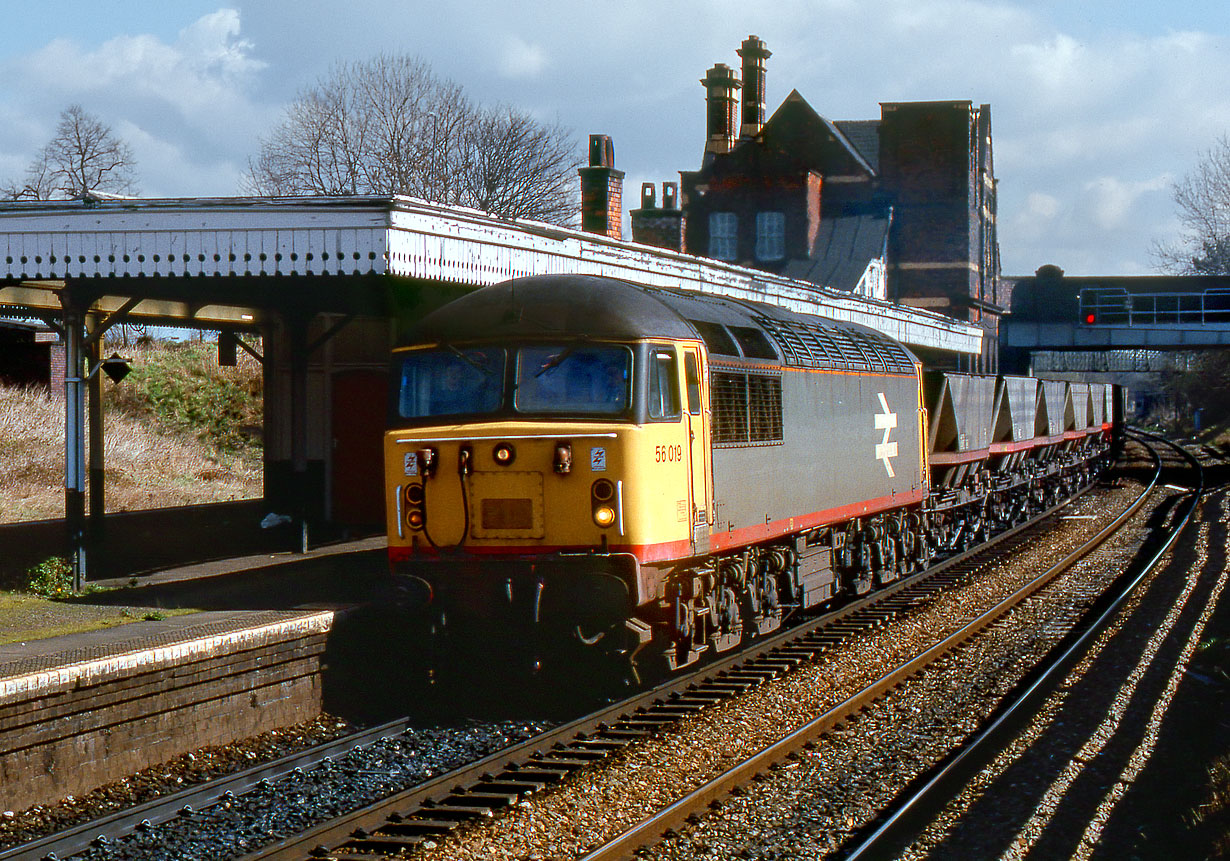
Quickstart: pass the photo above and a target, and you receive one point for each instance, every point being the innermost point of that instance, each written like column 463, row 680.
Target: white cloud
column 1094, row 108
column 205, row 71
column 1112, row 200
column 521, row 59
column 1041, row 206
column 185, row 106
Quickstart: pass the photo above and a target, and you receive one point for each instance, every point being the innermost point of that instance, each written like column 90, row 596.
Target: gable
column 795, row 141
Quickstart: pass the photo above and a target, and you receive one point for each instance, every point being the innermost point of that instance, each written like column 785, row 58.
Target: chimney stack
column 754, row 53
column 659, row 227
column 602, row 189
column 720, row 85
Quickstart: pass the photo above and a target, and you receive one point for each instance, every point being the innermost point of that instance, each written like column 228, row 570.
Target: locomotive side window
column 450, row 382
column 716, row 337
column 568, row 378
column 663, row 386
column 691, row 369
column 754, row 343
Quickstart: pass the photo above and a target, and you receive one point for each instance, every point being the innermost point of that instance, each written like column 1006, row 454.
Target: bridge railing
column 1114, row 306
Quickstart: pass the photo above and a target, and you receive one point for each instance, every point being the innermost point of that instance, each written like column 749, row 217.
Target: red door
column 359, row 406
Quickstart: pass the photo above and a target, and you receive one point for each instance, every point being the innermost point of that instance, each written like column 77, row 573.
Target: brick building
column 30, row 355
column 901, row 207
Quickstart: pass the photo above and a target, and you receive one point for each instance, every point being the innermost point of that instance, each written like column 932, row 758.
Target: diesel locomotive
column 578, row 462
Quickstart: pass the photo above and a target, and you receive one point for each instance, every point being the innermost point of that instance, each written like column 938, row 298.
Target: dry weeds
column 144, row 468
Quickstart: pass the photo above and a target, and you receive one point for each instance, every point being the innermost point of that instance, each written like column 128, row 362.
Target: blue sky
column 1097, row 107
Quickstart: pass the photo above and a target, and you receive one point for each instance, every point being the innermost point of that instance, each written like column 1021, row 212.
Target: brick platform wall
column 67, row 730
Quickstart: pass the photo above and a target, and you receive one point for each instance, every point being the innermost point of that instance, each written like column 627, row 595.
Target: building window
column 723, row 235
column 770, row 235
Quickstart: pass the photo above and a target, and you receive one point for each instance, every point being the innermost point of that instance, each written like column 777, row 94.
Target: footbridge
column 1051, row 311
column 327, row 284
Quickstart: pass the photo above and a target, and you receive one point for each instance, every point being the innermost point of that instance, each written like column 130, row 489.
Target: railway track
column 420, row 818
column 423, row 815
column 912, row 812
column 773, row 756
column 104, row 830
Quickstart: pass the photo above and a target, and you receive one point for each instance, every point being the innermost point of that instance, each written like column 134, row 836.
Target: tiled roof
column 864, row 135
column 844, row 246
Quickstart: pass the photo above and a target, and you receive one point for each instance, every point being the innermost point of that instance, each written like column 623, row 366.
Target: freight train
column 583, row 463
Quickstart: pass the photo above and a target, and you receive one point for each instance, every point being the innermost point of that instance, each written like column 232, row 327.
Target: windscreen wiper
column 556, row 361
column 471, row 362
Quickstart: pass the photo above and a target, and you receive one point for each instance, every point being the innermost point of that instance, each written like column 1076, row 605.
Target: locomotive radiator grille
column 747, row 408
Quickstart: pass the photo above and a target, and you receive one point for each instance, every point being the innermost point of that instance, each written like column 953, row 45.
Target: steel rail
column 363, row 824
column 155, row 811
column 652, row 828
column 911, row 813
column 115, row 825
column 120, row 823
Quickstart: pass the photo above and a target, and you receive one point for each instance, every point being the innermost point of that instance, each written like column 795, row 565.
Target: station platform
column 140, row 543
column 231, row 634
column 212, row 567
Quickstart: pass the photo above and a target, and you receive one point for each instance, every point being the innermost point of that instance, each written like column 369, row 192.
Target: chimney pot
column 670, row 195
column 720, row 84
column 648, row 196
column 754, row 53
column 601, row 151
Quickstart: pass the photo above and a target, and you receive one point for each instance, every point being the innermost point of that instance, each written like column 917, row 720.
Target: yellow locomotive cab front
column 523, row 479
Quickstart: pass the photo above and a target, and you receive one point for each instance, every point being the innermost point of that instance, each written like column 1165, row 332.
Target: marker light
column 603, row 490
column 601, row 494
column 1091, row 318
column 415, row 496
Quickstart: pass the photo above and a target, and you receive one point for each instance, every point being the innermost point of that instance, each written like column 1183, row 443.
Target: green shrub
column 51, row 578
column 182, row 388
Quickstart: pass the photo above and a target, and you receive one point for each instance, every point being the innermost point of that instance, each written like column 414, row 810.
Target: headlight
column 504, row 454
column 604, row 516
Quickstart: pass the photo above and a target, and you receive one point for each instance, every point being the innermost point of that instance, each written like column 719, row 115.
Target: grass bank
column 179, row 430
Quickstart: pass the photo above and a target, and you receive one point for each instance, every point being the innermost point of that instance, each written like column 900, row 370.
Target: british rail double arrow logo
column 886, row 421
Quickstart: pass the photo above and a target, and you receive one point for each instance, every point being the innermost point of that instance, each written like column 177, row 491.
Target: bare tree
column 1203, row 201
column 519, row 168
column 83, row 156
column 1200, row 379
column 390, row 126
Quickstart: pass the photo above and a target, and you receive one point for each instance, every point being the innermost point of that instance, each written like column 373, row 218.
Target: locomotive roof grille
column 550, row 307
column 811, row 346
